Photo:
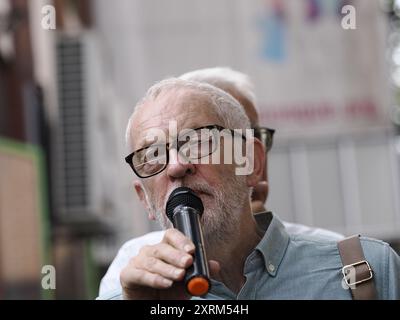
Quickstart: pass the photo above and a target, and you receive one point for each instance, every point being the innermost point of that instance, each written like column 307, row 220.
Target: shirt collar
column 274, row 242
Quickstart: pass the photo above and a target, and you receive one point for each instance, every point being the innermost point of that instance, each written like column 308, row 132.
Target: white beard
column 221, row 218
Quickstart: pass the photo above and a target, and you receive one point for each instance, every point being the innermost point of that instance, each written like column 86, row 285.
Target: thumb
column 215, row 269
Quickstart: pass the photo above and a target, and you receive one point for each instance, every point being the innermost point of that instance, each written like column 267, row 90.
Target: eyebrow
column 192, row 126
column 144, row 143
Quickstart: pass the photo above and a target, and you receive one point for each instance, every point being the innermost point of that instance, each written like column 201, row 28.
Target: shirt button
column 271, row 267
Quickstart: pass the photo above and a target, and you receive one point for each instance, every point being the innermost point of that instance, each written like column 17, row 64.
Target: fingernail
column 177, row 272
column 184, row 260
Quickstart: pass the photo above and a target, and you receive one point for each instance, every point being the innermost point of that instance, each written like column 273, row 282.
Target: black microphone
column 184, row 209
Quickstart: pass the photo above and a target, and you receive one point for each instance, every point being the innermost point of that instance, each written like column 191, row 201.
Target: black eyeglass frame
column 264, row 134
column 128, row 158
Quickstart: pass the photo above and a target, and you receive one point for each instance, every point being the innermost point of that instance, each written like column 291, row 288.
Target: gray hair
column 226, row 79
column 229, row 111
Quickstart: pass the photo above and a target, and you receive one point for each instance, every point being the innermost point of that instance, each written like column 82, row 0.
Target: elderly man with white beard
column 239, row 86
column 250, row 257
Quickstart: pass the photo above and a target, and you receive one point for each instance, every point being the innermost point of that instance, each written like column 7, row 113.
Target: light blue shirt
column 303, row 266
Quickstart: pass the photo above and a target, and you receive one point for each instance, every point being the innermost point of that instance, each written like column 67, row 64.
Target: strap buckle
column 347, row 268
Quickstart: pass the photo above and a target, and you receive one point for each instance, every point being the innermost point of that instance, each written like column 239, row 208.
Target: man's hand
column 158, row 270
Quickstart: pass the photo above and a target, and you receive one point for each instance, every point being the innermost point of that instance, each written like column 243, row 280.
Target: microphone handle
column 187, row 220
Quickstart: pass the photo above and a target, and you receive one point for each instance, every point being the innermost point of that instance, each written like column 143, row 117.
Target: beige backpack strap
column 357, row 272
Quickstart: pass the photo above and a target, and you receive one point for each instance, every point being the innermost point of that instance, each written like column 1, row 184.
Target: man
column 250, row 257
column 240, row 87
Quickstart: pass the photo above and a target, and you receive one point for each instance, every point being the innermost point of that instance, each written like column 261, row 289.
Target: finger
column 132, row 278
column 168, row 254
column 157, row 266
column 178, row 240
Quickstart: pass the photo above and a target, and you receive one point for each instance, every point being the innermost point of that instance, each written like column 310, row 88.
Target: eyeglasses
column 192, row 144
column 266, row 135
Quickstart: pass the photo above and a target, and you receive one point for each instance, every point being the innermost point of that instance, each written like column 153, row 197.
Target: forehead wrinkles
column 189, row 108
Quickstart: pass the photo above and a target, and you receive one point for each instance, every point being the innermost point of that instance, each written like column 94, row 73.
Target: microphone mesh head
column 183, row 196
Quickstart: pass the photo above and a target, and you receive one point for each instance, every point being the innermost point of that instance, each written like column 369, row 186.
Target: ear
column 259, row 158
column 143, row 199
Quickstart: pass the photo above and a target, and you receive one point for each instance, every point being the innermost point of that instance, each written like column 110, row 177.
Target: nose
column 179, row 166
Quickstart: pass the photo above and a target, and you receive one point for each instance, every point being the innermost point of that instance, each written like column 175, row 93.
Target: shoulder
column 300, row 229
column 385, row 263
column 376, row 251
column 312, row 254
column 374, row 247
column 324, row 254
column 305, row 246
column 315, row 241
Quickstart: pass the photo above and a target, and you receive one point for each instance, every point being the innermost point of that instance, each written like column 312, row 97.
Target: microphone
column 184, row 208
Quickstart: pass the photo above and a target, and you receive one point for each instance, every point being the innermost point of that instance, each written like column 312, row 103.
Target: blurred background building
column 329, row 86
